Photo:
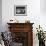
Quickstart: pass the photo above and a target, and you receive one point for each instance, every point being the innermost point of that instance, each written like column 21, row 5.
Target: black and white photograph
column 20, row 10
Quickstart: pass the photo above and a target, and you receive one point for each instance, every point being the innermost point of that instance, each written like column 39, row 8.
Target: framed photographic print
column 20, row 10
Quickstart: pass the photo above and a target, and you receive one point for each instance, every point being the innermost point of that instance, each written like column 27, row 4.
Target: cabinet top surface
column 19, row 23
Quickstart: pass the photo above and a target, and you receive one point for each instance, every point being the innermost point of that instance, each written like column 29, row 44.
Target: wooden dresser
column 22, row 33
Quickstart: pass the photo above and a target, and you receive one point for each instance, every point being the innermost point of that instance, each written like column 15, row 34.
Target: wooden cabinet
column 22, row 33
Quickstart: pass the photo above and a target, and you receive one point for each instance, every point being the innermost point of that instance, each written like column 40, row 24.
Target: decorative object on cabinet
column 27, row 21
column 22, row 33
column 13, row 21
column 20, row 10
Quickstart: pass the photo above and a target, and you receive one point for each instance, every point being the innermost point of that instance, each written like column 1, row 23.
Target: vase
column 41, row 43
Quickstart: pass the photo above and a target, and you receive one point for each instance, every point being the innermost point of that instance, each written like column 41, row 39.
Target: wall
column 43, row 14
column 0, row 15
column 33, row 14
column 43, row 6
